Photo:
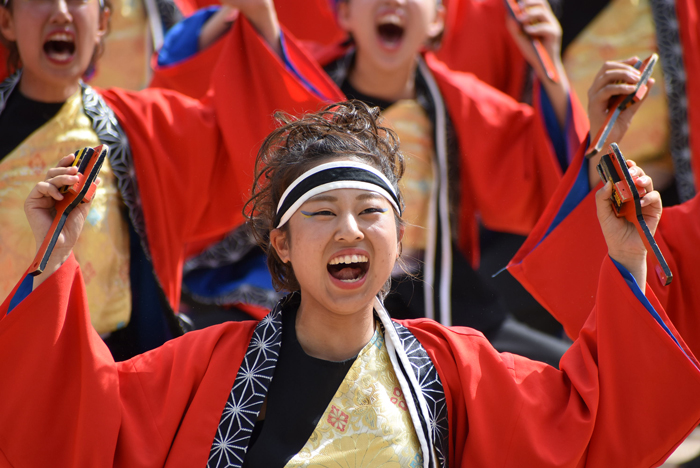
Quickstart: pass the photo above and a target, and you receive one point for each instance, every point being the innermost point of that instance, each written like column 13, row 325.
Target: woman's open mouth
column 348, row 269
column 390, row 31
column 60, row 47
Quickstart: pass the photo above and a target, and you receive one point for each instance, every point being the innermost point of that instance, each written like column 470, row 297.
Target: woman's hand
column 263, row 16
column 613, row 79
column 216, row 26
column 624, row 242
column 537, row 20
column 39, row 208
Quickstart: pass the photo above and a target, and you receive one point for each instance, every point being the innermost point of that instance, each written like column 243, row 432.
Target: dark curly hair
column 347, row 129
column 14, row 62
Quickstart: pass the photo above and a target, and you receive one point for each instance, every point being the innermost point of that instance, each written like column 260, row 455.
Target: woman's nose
column 349, row 229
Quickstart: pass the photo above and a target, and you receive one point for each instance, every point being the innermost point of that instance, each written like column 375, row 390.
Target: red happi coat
column 626, row 394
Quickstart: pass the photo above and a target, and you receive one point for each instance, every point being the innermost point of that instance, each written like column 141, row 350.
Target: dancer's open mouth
column 348, row 268
column 390, row 30
column 60, row 47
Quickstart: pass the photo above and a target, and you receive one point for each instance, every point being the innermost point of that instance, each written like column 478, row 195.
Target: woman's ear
column 437, row 26
column 343, row 14
column 105, row 15
column 279, row 242
column 7, row 25
column 399, row 247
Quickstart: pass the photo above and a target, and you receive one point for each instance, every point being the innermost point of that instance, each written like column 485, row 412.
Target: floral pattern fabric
column 367, row 423
column 105, row 235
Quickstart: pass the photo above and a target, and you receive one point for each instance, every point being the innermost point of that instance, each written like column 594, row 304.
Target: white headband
column 332, row 176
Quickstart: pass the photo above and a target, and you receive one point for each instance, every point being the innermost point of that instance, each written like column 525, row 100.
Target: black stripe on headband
column 334, row 174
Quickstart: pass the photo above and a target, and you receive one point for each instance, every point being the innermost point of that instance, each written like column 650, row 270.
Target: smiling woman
column 71, row 41
column 327, row 378
column 347, row 133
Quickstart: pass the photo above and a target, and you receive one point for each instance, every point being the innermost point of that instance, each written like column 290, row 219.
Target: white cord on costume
column 396, row 351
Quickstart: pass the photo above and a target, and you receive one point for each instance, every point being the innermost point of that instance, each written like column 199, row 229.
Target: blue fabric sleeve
column 636, row 290
column 556, row 133
column 182, row 40
column 22, row 292
column 579, row 190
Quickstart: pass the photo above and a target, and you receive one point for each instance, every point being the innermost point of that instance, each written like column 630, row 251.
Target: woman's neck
column 387, row 85
column 333, row 337
column 41, row 91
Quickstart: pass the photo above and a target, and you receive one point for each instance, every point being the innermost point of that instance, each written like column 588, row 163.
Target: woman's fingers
column 60, row 170
column 612, row 71
column 47, row 189
column 651, row 199
column 621, row 77
column 66, row 161
column 63, row 180
column 640, row 178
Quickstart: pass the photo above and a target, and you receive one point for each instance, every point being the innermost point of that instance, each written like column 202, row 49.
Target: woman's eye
column 317, row 213
column 374, row 210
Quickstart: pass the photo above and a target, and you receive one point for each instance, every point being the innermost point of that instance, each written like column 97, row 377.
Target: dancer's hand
column 263, row 16
column 39, row 207
column 623, row 240
column 538, row 21
column 612, row 80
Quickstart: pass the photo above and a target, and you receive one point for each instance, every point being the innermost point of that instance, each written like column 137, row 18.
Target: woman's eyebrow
column 369, row 195
column 324, row 197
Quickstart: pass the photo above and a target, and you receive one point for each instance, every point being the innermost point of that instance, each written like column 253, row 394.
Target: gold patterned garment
column 367, row 423
column 623, row 29
column 126, row 59
column 415, row 131
column 103, row 247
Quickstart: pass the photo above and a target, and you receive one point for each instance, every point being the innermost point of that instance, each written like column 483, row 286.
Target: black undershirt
column 20, row 118
column 300, row 391
column 351, row 93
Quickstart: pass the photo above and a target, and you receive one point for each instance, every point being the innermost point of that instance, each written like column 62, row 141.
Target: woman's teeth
column 349, row 259
column 348, row 268
column 351, row 280
column 60, row 46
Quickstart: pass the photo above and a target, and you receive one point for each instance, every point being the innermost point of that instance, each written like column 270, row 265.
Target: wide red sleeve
column 626, row 394
column 191, row 77
column 67, row 403
column 567, row 245
column 194, row 159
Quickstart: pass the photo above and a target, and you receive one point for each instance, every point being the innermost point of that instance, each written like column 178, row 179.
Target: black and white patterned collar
column 419, row 379
column 7, row 87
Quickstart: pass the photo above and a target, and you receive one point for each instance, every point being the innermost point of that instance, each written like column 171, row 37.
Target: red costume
column 626, row 394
